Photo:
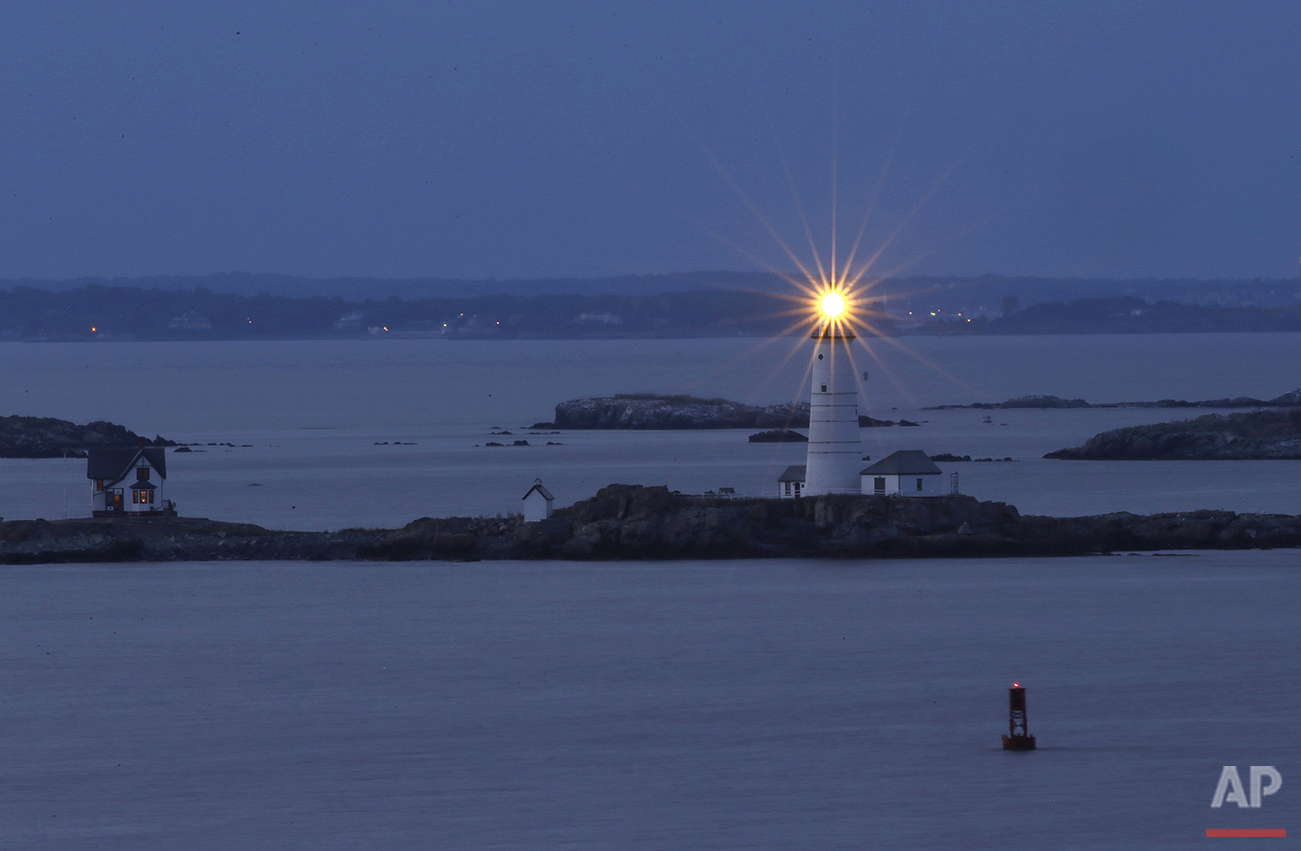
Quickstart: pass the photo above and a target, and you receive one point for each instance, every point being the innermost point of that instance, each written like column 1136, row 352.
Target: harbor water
column 734, row 704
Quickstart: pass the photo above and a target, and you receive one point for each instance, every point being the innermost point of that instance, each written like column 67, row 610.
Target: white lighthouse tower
column 835, row 450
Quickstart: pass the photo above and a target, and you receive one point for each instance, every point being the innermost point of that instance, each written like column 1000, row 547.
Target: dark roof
column 114, row 463
column 794, row 473
column 905, row 462
column 143, row 485
column 546, row 494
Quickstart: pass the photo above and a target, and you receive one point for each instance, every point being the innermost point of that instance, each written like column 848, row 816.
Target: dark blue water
column 795, row 704
column 314, row 423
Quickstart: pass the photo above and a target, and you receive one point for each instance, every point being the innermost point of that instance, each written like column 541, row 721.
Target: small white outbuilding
column 908, row 472
column 537, row 503
column 790, row 484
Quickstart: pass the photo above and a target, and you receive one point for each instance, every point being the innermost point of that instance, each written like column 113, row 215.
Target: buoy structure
column 835, row 450
column 1018, row 738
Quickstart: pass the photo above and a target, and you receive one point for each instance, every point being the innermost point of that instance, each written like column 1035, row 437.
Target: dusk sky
column 531, row 139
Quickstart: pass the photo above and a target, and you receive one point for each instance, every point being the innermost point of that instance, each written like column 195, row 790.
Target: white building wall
column 536, row 507
column 156, row 500
column 133, row 507
column 931, row 485
column 835, row 450
column 100, row 498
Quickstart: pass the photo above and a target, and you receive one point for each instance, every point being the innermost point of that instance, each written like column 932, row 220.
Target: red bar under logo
column 1247, row 832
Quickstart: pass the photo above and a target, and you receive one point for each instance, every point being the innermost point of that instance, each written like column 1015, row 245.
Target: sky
column 506, row 140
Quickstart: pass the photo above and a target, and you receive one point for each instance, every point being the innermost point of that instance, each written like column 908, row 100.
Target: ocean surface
column 755, row 704
column 748, row 704
column 314, row 424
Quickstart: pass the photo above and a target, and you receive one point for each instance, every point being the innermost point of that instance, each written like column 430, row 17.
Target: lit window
column 99, row 485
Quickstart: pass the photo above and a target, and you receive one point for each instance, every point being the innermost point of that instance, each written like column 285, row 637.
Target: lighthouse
column 835, row 451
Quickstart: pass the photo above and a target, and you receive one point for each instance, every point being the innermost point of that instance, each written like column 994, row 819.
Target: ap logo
column 1230, row 786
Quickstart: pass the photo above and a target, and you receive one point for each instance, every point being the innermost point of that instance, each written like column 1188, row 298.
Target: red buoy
column 1019, row 738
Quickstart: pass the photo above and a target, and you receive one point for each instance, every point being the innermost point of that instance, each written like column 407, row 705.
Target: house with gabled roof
column 128, row 481
column 908, row 472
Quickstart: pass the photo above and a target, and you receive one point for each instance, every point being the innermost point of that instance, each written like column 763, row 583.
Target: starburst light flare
column 832, row 305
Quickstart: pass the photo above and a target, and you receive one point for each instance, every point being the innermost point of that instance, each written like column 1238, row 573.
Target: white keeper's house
column 908, row 472
column 128, row 482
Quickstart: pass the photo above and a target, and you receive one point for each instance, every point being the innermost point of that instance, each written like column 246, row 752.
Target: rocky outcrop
column 197, row 539
column 46, row 437
column 1033, row 401
column 627, row 522
column 1290, row 399
column 778, row 435
column 643, row 411
column 1268, row 434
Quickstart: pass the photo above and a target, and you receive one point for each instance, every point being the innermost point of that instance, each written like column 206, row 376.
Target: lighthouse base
column 1018, row 743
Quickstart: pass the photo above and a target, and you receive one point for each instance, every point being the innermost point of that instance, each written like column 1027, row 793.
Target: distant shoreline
column 682, row 306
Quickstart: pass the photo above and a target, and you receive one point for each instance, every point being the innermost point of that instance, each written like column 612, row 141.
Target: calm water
column 756, row 704
column 306, row 418
column 760, row 704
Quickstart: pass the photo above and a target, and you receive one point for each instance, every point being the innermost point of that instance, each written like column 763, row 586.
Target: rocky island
column 778, row 435
column 1257, row 435
column 47, row 437
column 650, row 411
column 1290, row 399
column 628, row 522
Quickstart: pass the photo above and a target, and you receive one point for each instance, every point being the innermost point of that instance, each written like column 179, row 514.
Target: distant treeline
column 1128, row 315
column 98, row 312
column 941, row 294
column 130, row 313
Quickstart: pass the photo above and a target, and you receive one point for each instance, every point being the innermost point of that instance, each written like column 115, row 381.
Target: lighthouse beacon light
column 832, row 305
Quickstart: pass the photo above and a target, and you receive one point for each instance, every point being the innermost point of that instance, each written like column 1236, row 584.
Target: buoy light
column 1018, row 736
